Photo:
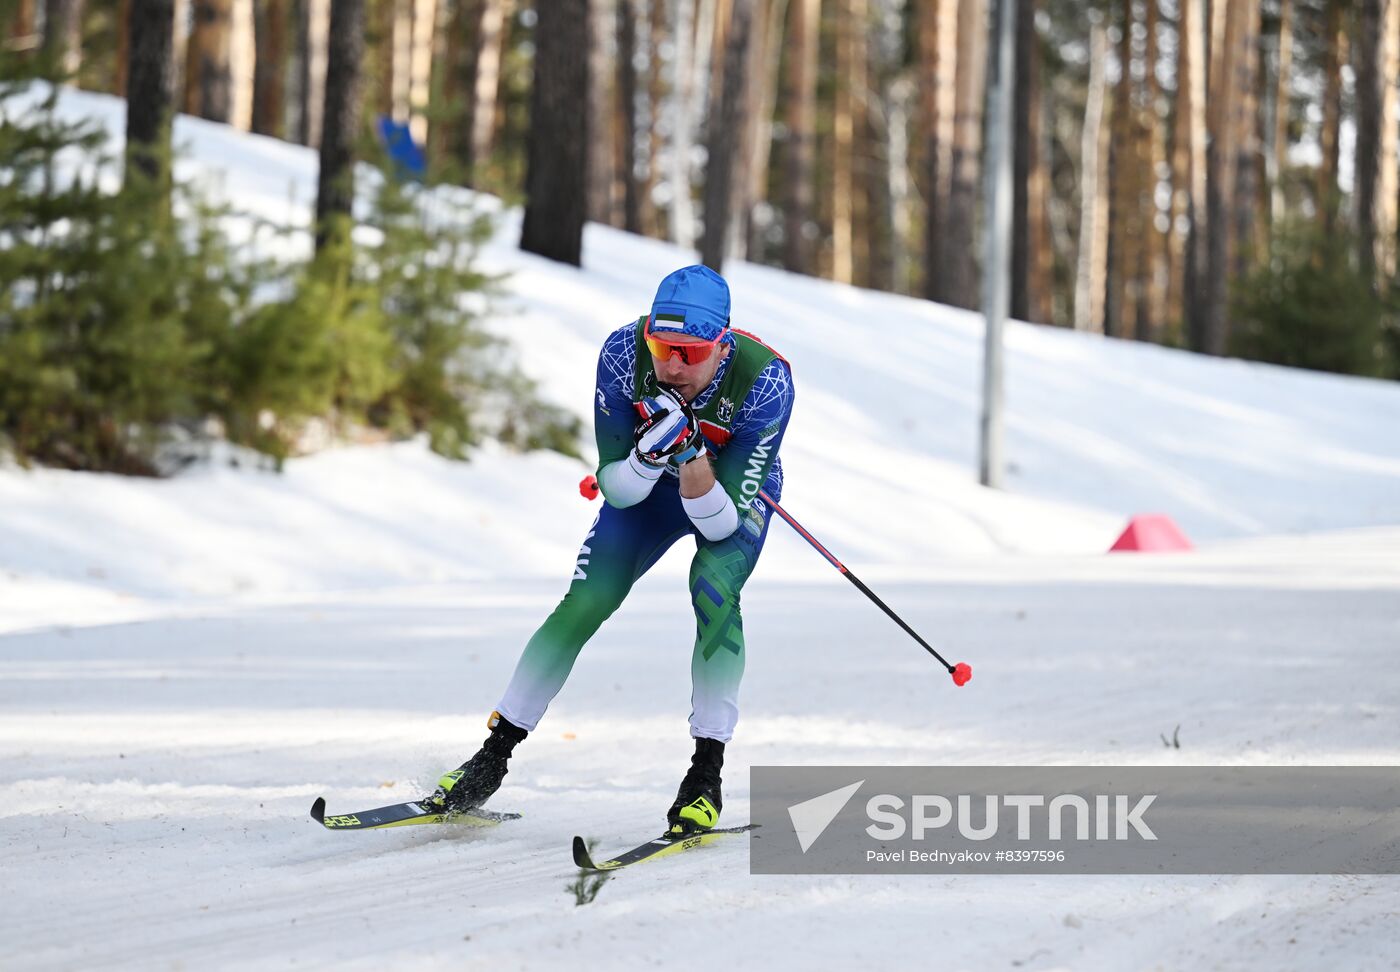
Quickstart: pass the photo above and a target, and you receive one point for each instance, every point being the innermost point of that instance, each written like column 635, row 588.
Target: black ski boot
column 698, row 801
column 471, row 784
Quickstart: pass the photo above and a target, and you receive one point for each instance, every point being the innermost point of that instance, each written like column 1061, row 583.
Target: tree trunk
column 299, row 75
column 1366, row 62
column 652, row 222
column 709, row 58
column 452, row 129
column 1278, row 151
column 903, row 99
column 964, row 282
column 123, row 29
column 464, row 50
column 335, row 186
column 420, row 67
column 556, row 179
column 242, row 64
column 485, row 117
column 399, row 20
column 23, row 32
column 63, row 34
column 745, row 186
column 1375, row 138
column 876, row 47
column 1030, row 243
column 149, row 88
column 1220, row 154
column 1125, row 190
column 1093, row 223
column 181, row 52
column 1193, row 273
column 725, row 139
column 937, row 68
column 208, row 81
column 601, row 114
column 1328, row 195
column 312, row 25
column 1388, row 191
column 843, row 136
column 270, row 69
column 1023, row 147
column 1245, row 105
column 862, row 145
column 800, row 151
column 682, row 221
column 627, row 116
column 1151, row 309
column 379, row 45
column 1179, row 214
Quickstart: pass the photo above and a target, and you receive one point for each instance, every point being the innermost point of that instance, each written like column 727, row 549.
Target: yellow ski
column 404, row 815
column 652, row 849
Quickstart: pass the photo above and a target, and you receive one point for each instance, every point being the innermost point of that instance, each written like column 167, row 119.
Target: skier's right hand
column 669, row 428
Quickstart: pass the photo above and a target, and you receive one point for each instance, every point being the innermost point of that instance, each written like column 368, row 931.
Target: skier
column 689, row 416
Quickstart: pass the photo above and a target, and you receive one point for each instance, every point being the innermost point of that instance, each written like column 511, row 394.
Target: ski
column 403, row 815
column 652, row 849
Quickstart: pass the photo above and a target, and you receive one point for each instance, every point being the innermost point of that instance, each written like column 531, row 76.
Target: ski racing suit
column 743, row 414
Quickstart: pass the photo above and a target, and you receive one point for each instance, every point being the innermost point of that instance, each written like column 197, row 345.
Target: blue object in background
column 403, row 151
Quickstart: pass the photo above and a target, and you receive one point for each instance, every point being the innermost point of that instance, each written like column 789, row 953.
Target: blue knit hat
column 694, row 301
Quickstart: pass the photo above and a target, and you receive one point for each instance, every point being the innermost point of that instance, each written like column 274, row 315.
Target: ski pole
column 961, row 672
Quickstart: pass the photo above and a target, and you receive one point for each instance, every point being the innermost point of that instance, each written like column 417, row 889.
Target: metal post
column 995, row 263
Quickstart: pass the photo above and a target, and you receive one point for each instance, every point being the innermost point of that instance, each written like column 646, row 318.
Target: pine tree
column 270, row 22
column 626, row 89
column 149, row 88
column 964, row 284
column 335, row 185
column 725, row 139
column 556, row 180
column 800, row 149
column 208, row 80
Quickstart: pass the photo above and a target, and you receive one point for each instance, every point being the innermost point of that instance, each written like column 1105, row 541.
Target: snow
column 186, row 664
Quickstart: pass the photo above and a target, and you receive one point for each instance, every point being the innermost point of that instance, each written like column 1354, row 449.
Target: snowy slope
column 880, row 455
column 186, row 664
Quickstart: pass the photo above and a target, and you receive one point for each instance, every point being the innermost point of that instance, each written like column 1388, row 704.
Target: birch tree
column 1093, row 217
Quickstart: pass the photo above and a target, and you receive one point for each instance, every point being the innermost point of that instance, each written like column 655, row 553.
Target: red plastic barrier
column 1151, row 533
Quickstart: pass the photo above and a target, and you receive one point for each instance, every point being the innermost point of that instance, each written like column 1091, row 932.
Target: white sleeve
column 713, row 514
column 627, row 482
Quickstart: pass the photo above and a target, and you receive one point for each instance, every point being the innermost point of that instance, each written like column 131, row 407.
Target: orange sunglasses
column 690, row 352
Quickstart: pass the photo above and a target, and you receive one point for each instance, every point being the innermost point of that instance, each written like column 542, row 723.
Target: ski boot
column 471, row 784
column 698, row 801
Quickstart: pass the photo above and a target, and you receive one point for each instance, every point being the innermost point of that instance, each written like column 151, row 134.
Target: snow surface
column 186, row 664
